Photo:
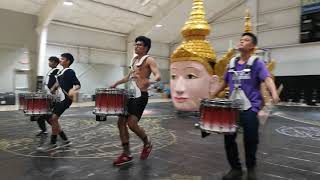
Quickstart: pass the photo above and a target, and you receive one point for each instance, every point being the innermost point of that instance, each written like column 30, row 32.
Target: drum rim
column 217, row 102
column 38, row 96
column 221, row 132
column 118, row 91
column 24, row 94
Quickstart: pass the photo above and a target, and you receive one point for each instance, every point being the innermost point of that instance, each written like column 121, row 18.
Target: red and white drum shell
column 111, row 102
column 219, row 115
column 22, row 101
column 37, row 104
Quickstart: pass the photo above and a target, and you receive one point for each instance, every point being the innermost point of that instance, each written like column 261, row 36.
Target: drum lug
column 33, row 118
column 204, row 134
column 101, row 118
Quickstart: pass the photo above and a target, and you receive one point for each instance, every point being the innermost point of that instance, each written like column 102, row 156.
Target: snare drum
column 110, row 102
column 219, row 115
column 37, row 104
column 22, row 101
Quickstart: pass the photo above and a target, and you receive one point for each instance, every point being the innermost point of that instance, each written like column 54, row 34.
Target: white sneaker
column 66, row 143
column 47, row 148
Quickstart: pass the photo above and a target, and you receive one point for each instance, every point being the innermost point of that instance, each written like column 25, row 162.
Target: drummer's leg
column 55, row 131
column 139, row 131
column 42, row 125
column 134, row 127
column 136, row 109
column 55, row 128
column 58, row 110
column 232, row 152
column 251, row 137
column 124, row 134
column 47, row 119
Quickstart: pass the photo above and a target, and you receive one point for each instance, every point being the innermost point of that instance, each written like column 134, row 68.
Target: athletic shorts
column 136, row 106
column 60, row 107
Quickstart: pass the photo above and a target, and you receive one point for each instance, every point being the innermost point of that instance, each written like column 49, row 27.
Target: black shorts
column 136, row 106
column 60, row 107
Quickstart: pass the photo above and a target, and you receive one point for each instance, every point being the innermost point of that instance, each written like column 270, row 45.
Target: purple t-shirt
column 251, row 87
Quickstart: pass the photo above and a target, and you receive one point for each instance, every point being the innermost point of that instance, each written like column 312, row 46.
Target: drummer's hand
column 72, row 93
column 275, row 99
column 113, row 86
column 52, row 91
column 152, row 82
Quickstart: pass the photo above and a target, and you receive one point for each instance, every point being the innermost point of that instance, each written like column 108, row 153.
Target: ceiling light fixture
column 144, row 2
column 158, row 25
column 68, row 3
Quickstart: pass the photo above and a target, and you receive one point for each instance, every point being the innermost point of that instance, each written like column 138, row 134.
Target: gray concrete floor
column 289, row 147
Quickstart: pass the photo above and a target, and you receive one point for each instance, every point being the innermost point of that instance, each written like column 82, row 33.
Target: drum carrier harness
column 238, row 94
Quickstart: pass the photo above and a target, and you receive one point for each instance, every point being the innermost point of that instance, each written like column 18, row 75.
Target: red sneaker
column 123, row 159
column 146, row 151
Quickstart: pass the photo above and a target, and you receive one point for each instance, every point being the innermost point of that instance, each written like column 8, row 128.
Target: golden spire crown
column 247, row 23
column 195, row 47
column 197, row 26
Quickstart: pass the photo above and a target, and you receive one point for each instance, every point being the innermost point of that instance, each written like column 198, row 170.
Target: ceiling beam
column 120, row 9
column 163, row 11
column 225, row 11
column 90, row 28
column 47, row 13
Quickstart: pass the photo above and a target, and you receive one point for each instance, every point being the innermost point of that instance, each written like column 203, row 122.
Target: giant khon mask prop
column 191, row 64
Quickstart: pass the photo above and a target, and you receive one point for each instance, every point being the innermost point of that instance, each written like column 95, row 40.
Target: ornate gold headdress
column 247, row 23
column 195, row 47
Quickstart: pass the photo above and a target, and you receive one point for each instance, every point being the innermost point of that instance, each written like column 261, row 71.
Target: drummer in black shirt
column 67, row 86
column 50, row 80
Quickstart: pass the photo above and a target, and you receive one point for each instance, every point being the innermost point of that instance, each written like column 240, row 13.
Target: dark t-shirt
column 67, row 80
column 52, row 78
column 251, row 87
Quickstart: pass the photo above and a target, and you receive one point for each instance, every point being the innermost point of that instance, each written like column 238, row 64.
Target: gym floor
column 289, row 147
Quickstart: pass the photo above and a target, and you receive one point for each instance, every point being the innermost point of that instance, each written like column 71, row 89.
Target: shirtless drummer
column 142, row 66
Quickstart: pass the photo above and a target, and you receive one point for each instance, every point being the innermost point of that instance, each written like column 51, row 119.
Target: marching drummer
column 50, row 80
column 244, row 76
column 67, row 86
column 142, row 65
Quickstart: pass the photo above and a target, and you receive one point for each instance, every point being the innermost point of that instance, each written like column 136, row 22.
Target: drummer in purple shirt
column 250, row 85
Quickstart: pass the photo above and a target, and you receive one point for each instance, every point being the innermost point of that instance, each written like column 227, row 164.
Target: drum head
column 110, row 91
column 38, row 96
column 225, row 103
column 23, row 94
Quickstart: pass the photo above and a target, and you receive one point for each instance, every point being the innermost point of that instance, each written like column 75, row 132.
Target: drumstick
column 279, row 90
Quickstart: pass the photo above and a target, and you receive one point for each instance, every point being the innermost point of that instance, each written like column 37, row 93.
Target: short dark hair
column 253, row 37
column 69, row 57
column 54, row 59
column 146, row 41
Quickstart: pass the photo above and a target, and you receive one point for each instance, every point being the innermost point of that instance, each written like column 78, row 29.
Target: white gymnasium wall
column 18, row 41
column 100, row 59
column 281, row 34
column 278, row 30
column 161, row 53
column 68, row 35
column 10, row 58
column 94, row 68
column 227, row 29
column 295, row 60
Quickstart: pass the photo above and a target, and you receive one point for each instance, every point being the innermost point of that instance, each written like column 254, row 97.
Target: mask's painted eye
column 191, row 76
